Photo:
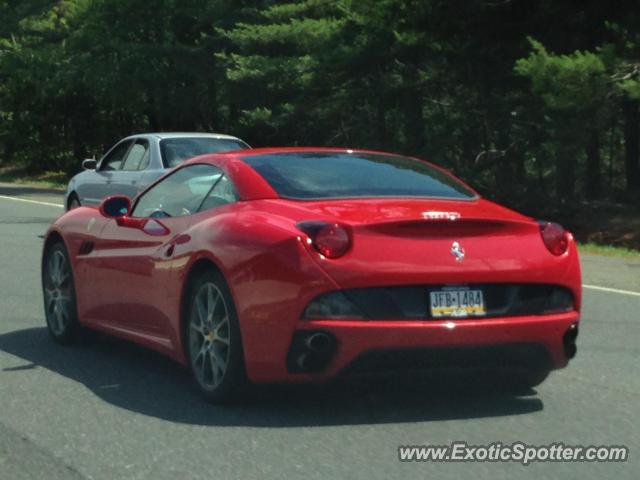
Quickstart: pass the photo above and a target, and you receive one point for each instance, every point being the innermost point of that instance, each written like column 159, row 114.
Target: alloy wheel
column 57, row 293
column 209, row 336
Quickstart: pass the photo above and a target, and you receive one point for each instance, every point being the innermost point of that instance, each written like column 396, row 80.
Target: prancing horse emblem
column 457, row 251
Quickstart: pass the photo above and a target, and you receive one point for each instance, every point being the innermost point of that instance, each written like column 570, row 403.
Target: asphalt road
column 110, row 410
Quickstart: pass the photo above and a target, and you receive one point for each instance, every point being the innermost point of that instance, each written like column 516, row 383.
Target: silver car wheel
column 209, row 336
column 57, row 293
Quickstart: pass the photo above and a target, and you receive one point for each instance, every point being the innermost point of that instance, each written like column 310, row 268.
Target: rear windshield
column 176, row 150
column 318, row 175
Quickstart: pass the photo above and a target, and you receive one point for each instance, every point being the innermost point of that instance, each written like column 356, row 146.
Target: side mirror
column 117, row 206
column 89, row 164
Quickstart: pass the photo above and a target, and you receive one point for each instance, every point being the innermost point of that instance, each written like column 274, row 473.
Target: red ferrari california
column 301, row 264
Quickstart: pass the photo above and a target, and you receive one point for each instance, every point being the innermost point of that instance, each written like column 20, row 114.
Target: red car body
column 132, row 285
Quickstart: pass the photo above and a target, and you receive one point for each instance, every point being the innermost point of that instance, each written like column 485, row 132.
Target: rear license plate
column 457, row 303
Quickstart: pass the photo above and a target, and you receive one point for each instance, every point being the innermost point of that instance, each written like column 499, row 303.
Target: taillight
column 332, row 240
column 555, row 238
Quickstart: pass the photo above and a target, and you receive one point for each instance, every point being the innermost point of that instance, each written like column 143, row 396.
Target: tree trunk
column 594, row 175
column 612, row 152
column 632, row 144
column 381, row 124
column 413, row 122
column 566, row 178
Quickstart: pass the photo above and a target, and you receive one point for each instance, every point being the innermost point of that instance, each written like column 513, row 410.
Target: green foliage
column 609, row 250
column 576, row 83
column 455, row 81
column 630, row 87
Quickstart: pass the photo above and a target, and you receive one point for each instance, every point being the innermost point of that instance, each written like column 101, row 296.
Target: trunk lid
column 420, row 241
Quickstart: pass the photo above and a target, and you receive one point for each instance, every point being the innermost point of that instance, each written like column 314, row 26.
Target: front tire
column 213, row 340
column 59, row 294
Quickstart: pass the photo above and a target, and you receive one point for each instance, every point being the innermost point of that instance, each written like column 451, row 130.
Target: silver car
column 136, row 161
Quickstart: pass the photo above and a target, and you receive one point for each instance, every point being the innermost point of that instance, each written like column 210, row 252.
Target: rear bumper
column 544, row 336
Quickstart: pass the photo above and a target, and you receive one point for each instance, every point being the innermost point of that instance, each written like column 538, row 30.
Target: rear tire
column 212, row 339
column 59, row 295
column 74, row 202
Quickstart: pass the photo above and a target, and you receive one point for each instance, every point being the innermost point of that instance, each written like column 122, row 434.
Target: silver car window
column 174, row 151
column 136, row 156
column 113, row 160
column 144, row 162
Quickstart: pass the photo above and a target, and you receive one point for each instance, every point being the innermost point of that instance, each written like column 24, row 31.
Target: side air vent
column 86, row 248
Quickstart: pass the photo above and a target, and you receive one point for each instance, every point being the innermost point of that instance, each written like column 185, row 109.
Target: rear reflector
column 332, row 305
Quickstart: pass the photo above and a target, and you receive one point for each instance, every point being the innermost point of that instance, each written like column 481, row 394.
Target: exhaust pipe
column 318, row 342
column 310, row 351
column 303, row 361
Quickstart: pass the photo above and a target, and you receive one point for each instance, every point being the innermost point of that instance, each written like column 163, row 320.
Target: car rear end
column 409, row 300
column 423, row 282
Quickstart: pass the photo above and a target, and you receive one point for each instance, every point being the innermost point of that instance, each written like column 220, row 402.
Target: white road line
column 31, row 201
column 612, row 290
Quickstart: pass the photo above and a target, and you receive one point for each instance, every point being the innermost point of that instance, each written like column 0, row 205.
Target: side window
column 144, row 162
column 179, row 194
column 113, row 159
column 136, row 156
column 223, row 193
